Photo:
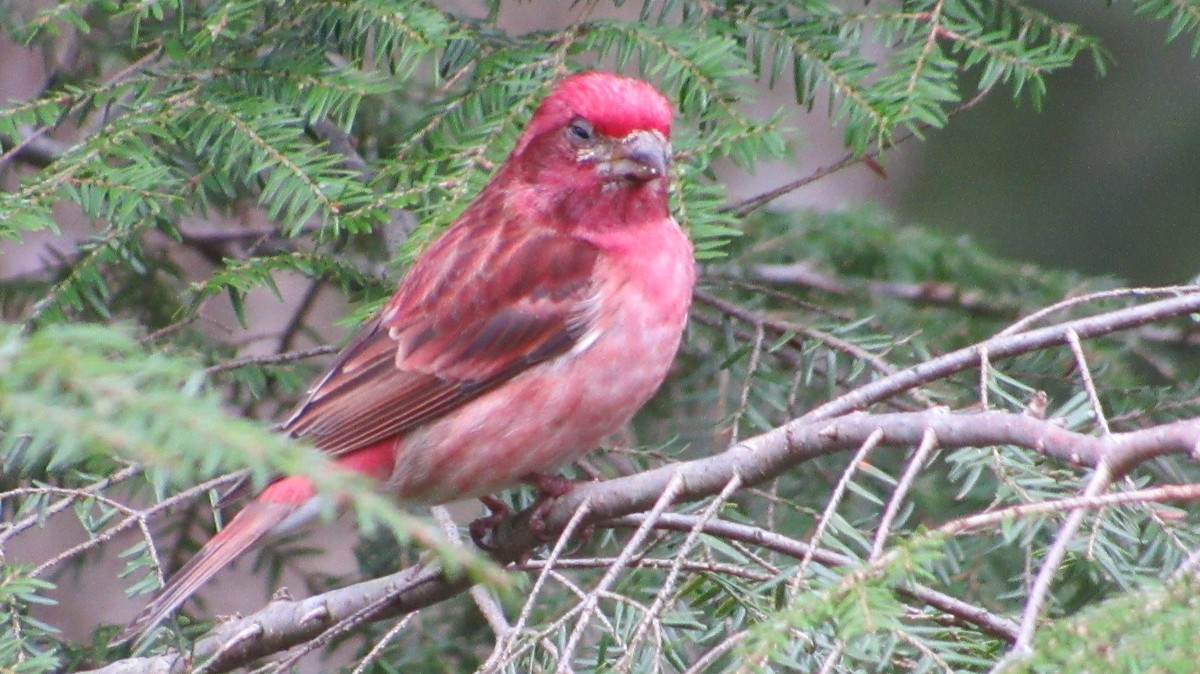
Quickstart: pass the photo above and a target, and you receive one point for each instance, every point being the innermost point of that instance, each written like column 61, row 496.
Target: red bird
column 543, row 318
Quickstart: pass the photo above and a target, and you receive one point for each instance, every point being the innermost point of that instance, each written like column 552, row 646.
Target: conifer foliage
column 880, row 450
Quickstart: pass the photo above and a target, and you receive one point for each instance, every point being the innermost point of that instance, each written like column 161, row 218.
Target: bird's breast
column 552, row 413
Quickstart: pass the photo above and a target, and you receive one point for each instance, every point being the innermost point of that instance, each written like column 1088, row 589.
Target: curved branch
column 1005, row 346
column 284, row 624
column 991, row 623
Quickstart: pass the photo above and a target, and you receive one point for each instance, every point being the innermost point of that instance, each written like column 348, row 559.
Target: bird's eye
column 580, row 130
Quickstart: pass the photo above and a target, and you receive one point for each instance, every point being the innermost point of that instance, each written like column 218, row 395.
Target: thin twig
column 749, row 205
column 995, row 625
column 273, row 359
column 1117, row 293
column 728, row 644
column 116, row 78
column 503, row 648
column 666, row 590
column 938, row 294
column 835, row 500
column 296, row 322
column 35, row 151
column 985, row 373
column 1051, row 563
column 928, row 444
column 747, row 384
column 1001, row 347
column 781, row 326
column 1089, row 385
column 610, row 576
column 832, row 658
column 141, row 519
column 377, row 650
column 1084, row 502
column 735, row 570
column 72, row 496
column 492, row 612
column 925, row 650
column 168, row 330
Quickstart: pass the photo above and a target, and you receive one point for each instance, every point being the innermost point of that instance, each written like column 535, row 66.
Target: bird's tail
column 270, row 511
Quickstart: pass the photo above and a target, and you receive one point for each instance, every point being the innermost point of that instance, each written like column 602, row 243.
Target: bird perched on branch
column 542, row 319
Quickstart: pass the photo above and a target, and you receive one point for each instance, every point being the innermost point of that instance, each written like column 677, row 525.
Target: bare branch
column 1006, row 346
column 666, row 497
column 915, row 464
column 993, row 624
column 1118, row 293
column 835, row 499
column 288, row 623
column 72, row 496
column 1100, row 481
column 273, row 359
column 751, row 204
column 19, row 148
column 34, row 149
column 824, row 431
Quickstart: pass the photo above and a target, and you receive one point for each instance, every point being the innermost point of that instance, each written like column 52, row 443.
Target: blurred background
column 1104, row 179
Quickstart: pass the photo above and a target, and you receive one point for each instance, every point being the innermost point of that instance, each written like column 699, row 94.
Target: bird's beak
column 640, row 157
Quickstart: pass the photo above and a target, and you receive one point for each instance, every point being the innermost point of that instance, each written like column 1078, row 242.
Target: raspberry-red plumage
column 538, row 323
column 450, row 335
column 615, row 106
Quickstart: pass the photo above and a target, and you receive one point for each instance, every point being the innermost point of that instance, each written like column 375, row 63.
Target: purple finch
column 541, row 320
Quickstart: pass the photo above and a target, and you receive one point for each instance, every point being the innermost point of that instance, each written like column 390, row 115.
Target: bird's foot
column 483, row 527
column 549, row 488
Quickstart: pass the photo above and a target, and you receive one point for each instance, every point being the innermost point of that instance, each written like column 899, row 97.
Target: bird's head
column 599, row 130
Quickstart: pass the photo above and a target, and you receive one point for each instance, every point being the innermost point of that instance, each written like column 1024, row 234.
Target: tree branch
column 21, row 148
column 991, row 623
column 749, row 205
column 1005, row 346
column 753, row 461
column 272, row 359
column 284, row 624
column 33, row 150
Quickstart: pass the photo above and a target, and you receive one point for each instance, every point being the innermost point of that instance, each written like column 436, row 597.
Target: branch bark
column 284, row 624
column 826, row 430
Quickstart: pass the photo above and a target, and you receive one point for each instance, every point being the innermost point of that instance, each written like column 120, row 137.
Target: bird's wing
column 477, row 309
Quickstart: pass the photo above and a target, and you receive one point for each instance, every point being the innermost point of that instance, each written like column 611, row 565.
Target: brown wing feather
column 466, row 319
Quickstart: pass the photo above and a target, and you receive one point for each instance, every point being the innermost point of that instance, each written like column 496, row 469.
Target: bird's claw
column 482, row 528
column 549, row 487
